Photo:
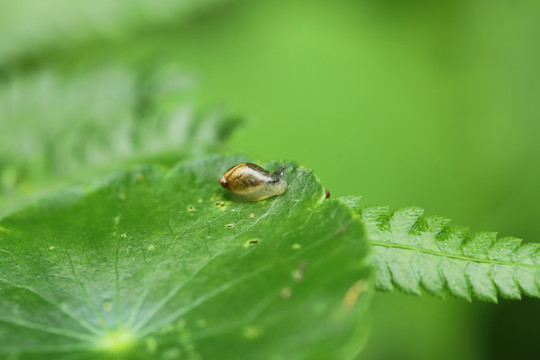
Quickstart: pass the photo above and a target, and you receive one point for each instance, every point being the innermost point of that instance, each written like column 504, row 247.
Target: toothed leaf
column 413, row 252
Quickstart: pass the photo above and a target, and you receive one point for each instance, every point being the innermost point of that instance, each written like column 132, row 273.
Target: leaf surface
column 157, row 263
column 413, row 252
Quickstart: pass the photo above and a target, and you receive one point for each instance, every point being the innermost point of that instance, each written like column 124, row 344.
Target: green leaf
column 413, row 252
column 95, row 119
column 156, row 263
column 28, row 26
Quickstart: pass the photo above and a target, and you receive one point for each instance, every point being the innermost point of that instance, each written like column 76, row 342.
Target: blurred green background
column 405, row 103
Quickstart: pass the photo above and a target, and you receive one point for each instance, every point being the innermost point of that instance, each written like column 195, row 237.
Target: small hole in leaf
column 251, row 242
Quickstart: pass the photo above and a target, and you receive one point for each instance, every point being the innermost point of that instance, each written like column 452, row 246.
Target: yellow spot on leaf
column 251, row 332
column 351, row 297
column 286, row 293
column 298, row 275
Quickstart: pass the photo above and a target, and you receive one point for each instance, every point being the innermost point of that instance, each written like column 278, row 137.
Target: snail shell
column 250, row 182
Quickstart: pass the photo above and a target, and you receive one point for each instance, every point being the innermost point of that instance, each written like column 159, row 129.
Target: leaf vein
column 451, row 256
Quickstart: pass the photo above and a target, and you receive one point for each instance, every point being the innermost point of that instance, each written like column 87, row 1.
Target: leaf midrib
column 447, row 255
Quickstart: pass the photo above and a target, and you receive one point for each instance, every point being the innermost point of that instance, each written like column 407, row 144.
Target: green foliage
column 90, row 87
column 27, row 26
column 158, row 263
column 65, row 124
column 413, row 252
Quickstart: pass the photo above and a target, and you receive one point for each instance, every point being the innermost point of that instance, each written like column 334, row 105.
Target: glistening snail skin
column 250, row 182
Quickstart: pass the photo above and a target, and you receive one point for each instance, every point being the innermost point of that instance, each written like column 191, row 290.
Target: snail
column 250, row 182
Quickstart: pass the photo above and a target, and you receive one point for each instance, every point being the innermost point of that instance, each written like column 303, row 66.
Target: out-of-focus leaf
column 29, row 26
column 52, row 125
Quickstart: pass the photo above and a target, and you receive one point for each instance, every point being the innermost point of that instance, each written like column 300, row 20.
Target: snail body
column 250, row 182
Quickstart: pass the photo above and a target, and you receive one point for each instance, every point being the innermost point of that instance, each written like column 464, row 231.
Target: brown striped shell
column 250, row 182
